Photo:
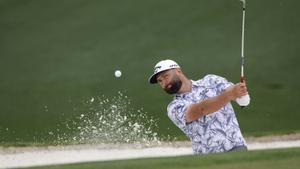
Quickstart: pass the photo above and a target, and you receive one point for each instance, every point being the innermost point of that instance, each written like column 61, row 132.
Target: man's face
column 169, row 81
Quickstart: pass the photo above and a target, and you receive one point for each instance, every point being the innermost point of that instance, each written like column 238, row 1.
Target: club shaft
column 243, row 40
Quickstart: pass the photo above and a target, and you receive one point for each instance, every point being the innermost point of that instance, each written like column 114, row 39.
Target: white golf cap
column 160, row 67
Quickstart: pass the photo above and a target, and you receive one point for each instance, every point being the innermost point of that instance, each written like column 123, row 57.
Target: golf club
column 244, row 100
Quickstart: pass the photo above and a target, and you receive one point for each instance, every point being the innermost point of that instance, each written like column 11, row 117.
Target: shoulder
column 175, row 104
column 209, row 79
column 177, row 107
column 212, row 79
column 176, row 112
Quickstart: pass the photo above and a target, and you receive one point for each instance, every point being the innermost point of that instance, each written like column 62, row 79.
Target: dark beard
column 175, row 86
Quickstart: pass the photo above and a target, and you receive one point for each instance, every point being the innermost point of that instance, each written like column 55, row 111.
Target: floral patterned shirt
column 212, row 133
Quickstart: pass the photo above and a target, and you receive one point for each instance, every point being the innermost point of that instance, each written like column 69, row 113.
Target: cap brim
column 152, row 79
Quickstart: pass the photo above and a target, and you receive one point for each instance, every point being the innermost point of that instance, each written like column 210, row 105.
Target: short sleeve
column 176, row 112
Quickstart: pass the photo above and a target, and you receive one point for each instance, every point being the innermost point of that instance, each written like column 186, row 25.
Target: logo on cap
column 156, row 69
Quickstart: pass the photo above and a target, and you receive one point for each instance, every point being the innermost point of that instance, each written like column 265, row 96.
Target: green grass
column 275, row 159
column 55, row 55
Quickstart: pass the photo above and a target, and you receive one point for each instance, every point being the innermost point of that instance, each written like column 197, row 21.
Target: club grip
column 244, row 100
column 242, row 79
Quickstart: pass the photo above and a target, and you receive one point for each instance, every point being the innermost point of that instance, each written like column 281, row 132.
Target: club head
column 244, row 1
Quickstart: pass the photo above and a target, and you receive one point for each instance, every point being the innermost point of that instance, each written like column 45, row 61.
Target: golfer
column 202, row 108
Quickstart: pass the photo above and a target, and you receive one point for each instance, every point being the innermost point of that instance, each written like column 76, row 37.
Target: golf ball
column 118, row 73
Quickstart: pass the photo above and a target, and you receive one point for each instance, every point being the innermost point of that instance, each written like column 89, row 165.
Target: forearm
column 207, row 106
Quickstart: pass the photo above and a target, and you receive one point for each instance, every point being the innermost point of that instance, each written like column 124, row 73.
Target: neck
column 186, row 86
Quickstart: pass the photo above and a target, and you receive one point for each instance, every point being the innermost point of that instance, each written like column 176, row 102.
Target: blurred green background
column 55, row 55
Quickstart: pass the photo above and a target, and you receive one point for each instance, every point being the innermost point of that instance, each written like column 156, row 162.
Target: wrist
column 228, row 95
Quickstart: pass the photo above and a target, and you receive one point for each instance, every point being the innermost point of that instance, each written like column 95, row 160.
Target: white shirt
column 215, row 132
